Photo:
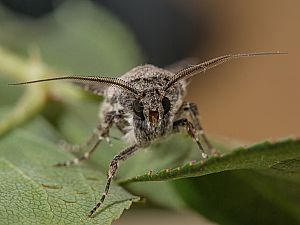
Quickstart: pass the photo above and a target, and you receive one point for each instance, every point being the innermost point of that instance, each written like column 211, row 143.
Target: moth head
column 152, row 107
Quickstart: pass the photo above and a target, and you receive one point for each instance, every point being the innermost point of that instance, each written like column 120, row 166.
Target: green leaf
column 255, row 185
column 260, row 156
column 78, row 36
column 35, row 192
column 243, row 197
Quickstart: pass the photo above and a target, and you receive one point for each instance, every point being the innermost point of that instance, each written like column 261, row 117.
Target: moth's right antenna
column 202, row 67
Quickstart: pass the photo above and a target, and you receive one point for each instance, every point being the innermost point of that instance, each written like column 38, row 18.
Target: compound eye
column 166, row 105
column 138, row 109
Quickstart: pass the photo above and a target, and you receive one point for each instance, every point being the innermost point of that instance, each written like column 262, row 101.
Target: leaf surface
column 263, row 156
column 35, row 192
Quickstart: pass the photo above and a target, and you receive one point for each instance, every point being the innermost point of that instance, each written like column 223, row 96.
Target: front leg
column 188, row 117
column 191, row 131
column 68, row 147
column 113, row 167
column 101, row 132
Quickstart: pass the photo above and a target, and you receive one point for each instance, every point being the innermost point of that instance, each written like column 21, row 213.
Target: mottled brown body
column 150, row 80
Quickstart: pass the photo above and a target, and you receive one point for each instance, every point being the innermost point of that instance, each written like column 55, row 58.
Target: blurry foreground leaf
column 243, row 197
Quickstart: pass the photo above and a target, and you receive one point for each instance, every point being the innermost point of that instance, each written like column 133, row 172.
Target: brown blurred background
column 257, row 98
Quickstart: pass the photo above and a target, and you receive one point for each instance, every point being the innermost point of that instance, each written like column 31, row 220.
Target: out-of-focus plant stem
column 35, row 97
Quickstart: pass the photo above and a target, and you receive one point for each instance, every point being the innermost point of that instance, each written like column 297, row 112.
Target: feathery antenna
column 202, row 67
column 88, row 82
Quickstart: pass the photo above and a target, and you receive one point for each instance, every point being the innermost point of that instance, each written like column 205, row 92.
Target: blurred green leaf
column 79, row 37
column 7, row 95
column 243, row 197
column 35, row 192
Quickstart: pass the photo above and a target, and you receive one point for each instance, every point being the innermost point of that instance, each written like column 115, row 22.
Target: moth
column 145, row 104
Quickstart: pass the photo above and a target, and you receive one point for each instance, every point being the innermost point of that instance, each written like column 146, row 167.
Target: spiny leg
column 87, row 144
column 98, row 135
column 81, row 158
column 113, row 167
column 191, row 111
column 191, row 131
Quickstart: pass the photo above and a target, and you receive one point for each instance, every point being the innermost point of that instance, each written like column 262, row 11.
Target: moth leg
column 191, row 131
column 113, row 167
column 190, row 110
column 98, row 135
column 87, row 144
